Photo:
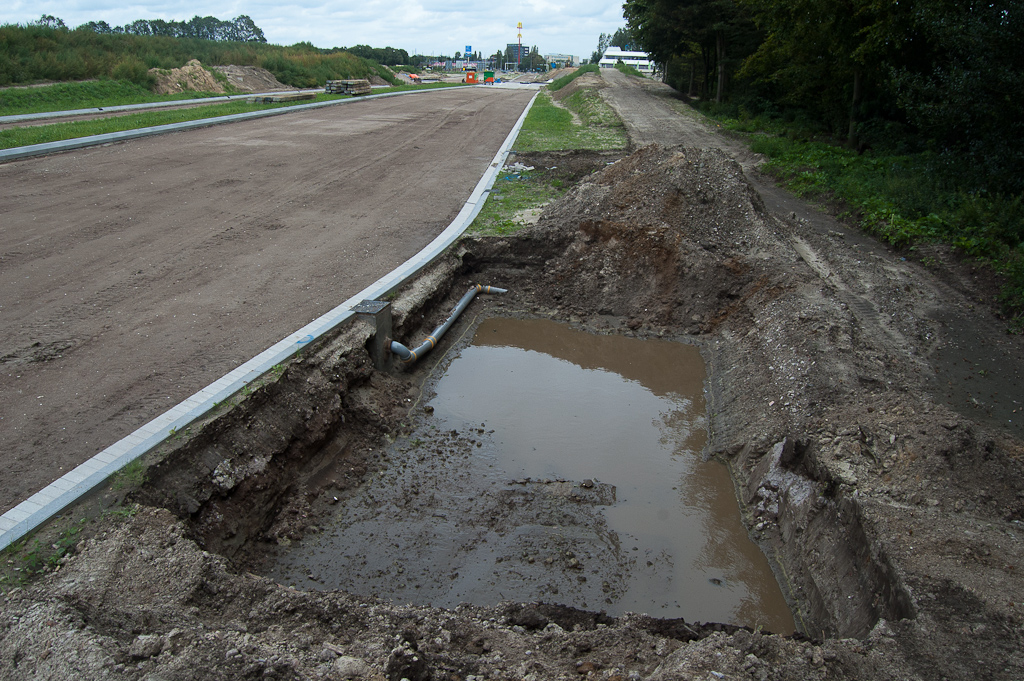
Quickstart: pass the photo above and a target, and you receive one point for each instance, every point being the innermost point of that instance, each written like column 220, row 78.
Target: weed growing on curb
column 132, row 475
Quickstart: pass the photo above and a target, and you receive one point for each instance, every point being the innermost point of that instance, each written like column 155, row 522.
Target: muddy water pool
column 552, row 465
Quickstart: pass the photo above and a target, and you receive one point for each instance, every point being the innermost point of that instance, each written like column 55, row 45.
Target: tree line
column 240, row 29
column 939, row 75
column 389, row 56
column 46, row 50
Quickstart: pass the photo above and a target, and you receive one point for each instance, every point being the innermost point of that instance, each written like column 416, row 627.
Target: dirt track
column 137, row 273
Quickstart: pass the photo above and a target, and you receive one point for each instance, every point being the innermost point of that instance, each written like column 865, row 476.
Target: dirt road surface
column 137, row 273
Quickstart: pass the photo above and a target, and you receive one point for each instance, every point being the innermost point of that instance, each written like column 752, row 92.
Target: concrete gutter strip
column 43, row 505
column 20, row 118
column 17, row 153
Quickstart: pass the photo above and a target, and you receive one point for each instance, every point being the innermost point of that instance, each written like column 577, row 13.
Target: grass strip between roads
column 20, row 136
column 86, row 95
column 583, row 121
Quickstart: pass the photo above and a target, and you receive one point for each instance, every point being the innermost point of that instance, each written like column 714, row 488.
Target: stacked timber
column 348, row 87
column 290, row 97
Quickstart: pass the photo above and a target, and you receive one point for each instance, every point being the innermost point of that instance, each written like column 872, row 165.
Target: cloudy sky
column 419, row 26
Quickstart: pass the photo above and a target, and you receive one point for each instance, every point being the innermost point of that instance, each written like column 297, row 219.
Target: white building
column 638, row 60
column 560, row 61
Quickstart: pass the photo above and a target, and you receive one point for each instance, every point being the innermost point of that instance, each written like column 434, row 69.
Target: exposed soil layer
column 251, row 78
column 190, row 77
column 893, row 517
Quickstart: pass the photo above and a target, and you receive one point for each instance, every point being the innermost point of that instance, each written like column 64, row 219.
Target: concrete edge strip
column 46, row 115
column 43, row 505
column 31, row 150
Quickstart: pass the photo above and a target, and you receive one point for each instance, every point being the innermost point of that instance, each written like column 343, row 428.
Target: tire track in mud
column 966, row 361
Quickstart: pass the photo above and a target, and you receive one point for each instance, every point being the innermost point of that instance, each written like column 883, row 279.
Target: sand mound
column 251, row 78
column 190, row 77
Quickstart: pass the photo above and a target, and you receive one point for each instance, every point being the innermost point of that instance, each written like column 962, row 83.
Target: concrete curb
column 43, row 505
column 47, row 115
column 29, row 151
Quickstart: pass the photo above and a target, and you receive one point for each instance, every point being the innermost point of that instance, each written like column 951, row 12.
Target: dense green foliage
column 388, row 56
column 925, row 96
column 239, row 29
column 34, row 53
column 559, row 83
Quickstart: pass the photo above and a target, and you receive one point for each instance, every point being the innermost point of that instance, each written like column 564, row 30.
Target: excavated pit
column 331, row 429
column 582, row 483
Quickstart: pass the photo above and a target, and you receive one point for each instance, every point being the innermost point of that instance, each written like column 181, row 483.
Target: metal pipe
column 408, row 356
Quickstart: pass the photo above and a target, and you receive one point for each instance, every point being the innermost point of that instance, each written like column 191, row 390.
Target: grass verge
column 87, row 95
column 548, row 127
column 20, row 136
column 560, row 83
column 513, row 197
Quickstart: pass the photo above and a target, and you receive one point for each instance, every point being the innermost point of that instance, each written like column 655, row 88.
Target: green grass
column 87, row 95
column 628, row 70
column 510, row 196
column 560, row 83
column 131, row 476
column 39, row 134
column 903, row 199
column 549, row 127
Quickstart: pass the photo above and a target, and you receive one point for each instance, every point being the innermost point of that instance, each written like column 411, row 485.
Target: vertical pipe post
column 378, row 313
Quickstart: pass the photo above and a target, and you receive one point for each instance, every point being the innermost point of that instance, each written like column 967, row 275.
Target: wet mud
column 552, row 464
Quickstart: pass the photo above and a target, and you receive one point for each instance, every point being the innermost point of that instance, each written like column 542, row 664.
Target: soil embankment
column 891, row 511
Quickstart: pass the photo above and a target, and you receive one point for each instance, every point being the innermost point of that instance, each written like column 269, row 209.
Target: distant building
column 561, row 61
column 515, row 52
column 638, row 60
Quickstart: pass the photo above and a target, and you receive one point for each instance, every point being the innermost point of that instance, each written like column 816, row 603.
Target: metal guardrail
column 43, row 505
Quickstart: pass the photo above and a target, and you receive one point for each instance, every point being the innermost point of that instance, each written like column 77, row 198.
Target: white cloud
column 567, row 26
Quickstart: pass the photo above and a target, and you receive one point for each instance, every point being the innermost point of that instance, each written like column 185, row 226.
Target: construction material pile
column 348, row 87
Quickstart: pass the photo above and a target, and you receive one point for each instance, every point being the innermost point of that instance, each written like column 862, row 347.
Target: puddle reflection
column 630, row 413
